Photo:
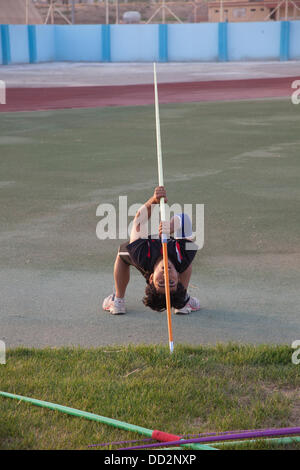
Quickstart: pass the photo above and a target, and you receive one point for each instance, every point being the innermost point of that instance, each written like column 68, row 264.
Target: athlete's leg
column 121, row 276
column 185, row 277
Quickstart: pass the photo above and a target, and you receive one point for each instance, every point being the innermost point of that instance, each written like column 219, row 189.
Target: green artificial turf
column 240, row 159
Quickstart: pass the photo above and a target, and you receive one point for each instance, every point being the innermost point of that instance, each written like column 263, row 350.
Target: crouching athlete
column 145, row 254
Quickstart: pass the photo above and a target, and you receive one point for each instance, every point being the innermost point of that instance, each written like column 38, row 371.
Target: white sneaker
column 114, row 306
column 192, row 305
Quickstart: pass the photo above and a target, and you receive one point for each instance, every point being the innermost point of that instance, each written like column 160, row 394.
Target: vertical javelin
column 163, row 214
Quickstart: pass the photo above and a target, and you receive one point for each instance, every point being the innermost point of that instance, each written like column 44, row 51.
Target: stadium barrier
column 207, row 42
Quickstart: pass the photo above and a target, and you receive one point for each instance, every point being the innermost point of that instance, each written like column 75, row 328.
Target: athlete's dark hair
column 157, row 301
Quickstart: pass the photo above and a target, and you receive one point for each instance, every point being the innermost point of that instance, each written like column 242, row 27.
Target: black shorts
column 124, row 255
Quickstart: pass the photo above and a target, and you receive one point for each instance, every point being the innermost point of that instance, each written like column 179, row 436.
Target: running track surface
column 34, row 99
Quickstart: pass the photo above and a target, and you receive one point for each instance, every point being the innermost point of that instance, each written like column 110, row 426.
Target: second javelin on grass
column 164, row 237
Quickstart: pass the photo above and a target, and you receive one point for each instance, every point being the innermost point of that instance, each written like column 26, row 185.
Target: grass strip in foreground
column 197, row 389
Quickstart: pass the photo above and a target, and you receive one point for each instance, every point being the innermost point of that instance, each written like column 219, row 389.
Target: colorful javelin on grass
column 216, row 440
column 203, row 443
column 153, row 434
column 164, row 237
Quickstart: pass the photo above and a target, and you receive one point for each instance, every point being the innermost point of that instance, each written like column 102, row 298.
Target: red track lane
column 33, row 99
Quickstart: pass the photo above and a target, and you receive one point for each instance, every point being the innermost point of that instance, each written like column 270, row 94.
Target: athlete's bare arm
column 144, row 213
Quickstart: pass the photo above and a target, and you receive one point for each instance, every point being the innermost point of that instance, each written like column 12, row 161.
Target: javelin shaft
column 158, row 144
column 168, row 299
column 81, row 414
column 158, row 435
column 271, row 440
column 163, row 213
column 227, row 437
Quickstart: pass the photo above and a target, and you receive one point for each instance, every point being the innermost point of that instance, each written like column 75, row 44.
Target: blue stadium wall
column 205, row 42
